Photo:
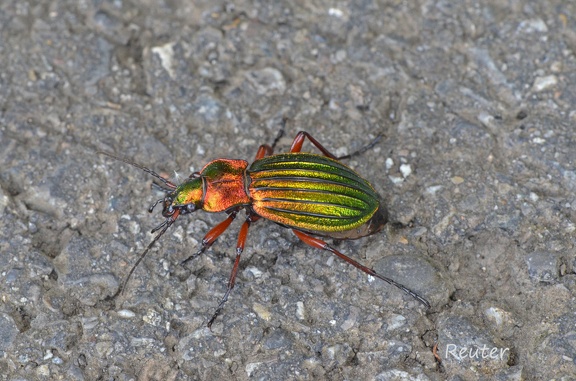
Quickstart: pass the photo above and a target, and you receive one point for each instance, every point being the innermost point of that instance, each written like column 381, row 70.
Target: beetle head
column 187, row 197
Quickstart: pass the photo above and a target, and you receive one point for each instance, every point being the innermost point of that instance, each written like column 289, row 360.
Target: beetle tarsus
column 319, row 244
column 251, row 217
column 363, row 149
column 280, row 132
column 212, row 236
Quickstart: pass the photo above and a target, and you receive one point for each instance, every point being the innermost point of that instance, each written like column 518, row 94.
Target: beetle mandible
column 309, row 193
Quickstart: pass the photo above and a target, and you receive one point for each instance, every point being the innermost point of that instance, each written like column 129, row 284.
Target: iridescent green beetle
column 308, row 193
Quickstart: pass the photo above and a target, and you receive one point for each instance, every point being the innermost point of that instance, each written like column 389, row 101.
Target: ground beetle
column 305, row 192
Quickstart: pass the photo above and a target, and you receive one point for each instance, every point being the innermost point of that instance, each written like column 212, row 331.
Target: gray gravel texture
column 476, row 168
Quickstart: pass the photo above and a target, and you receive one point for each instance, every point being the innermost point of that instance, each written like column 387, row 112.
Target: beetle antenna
column 164, row 226
column 166, row 182
column 161, row 187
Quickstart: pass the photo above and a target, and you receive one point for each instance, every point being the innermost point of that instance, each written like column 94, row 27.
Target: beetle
column 312, row 194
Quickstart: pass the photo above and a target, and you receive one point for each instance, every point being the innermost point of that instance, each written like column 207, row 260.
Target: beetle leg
column 239, row 249
column 319, row 244
column 263, row 151
column 299, row 140
column 212, row 235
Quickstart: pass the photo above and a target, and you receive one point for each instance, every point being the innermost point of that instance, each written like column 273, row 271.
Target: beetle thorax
column 224, row 185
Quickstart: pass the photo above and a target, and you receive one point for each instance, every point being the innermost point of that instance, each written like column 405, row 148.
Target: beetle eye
column 190, row 208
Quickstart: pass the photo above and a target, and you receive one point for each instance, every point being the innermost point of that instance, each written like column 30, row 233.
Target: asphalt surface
column 475, row 103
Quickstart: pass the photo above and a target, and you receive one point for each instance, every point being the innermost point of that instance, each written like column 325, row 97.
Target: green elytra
column 316, row 194
column 311, row 194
